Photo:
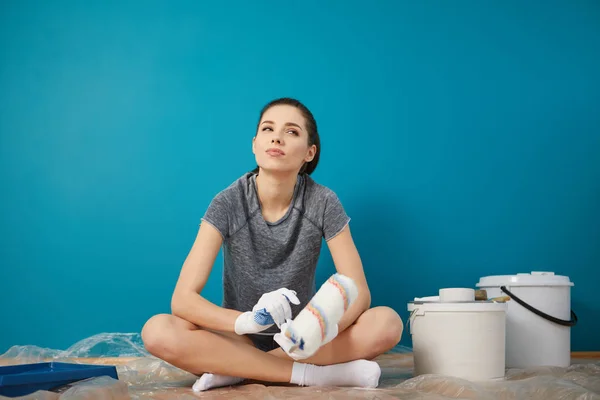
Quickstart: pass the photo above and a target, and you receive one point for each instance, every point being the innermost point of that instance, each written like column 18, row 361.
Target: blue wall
column 462, row 139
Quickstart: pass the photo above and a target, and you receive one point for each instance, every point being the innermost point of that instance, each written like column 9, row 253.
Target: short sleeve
column 335, row 218
column 217, row 214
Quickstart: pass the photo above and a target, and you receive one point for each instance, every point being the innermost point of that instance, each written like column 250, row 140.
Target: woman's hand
column 272, row 308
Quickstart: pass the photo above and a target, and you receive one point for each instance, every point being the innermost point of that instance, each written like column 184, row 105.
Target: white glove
column 272, row 308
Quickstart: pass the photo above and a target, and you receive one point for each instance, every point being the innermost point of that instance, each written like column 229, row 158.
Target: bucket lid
column 535, row 278
column 464, row 306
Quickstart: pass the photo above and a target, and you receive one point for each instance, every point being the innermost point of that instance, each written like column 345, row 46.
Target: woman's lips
column 275, row 152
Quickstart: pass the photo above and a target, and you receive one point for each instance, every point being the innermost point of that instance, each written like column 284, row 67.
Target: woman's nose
column 278, row 141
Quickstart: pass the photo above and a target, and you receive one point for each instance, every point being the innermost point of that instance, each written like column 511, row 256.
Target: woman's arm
column 186, row 301
column 347, row 262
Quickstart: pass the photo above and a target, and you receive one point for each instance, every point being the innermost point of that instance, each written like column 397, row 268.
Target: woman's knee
column 389, row 328
column 160, row 336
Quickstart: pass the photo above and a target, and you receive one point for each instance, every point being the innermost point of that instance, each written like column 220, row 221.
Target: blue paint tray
column 24, row 379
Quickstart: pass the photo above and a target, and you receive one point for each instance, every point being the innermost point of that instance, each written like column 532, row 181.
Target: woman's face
column 281, row 142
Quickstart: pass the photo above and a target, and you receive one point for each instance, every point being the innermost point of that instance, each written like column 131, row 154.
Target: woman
column 271, row 223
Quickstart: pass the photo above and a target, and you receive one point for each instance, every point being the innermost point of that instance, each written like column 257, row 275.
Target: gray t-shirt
column 260, row 256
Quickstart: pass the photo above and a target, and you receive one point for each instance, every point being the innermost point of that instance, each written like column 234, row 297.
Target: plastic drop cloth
column 142, row 376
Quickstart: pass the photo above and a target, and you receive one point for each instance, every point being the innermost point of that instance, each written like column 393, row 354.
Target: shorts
column 264, row 342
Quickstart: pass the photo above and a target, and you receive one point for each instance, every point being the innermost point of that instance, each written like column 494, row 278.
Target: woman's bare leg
column 195, row 350
column 198, row 351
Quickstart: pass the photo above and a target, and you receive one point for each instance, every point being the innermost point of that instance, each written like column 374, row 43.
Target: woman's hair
column 311, row 127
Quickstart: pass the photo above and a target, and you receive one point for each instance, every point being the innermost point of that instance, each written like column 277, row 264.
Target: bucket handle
column 410, row 319
column 562, row 322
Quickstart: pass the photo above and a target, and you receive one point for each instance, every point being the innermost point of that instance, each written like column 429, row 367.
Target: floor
column 149, row 378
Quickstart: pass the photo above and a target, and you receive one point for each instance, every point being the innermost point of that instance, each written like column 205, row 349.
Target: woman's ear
column 310, row 154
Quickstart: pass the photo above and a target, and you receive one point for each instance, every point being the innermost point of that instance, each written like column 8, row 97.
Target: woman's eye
column 293, row 132
column 266, row 128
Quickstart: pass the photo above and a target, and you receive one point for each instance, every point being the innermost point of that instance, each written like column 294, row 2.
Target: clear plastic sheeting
column 101, row 345
column 142, row 376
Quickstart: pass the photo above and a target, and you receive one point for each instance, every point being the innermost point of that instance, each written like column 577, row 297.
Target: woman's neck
column 275, row 193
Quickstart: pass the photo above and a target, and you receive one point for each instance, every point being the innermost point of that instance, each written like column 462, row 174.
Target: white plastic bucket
column 464, row 339
column 539, row 317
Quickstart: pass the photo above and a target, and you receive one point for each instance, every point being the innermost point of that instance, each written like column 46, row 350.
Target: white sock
column 359, row 373
column 209, row 381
